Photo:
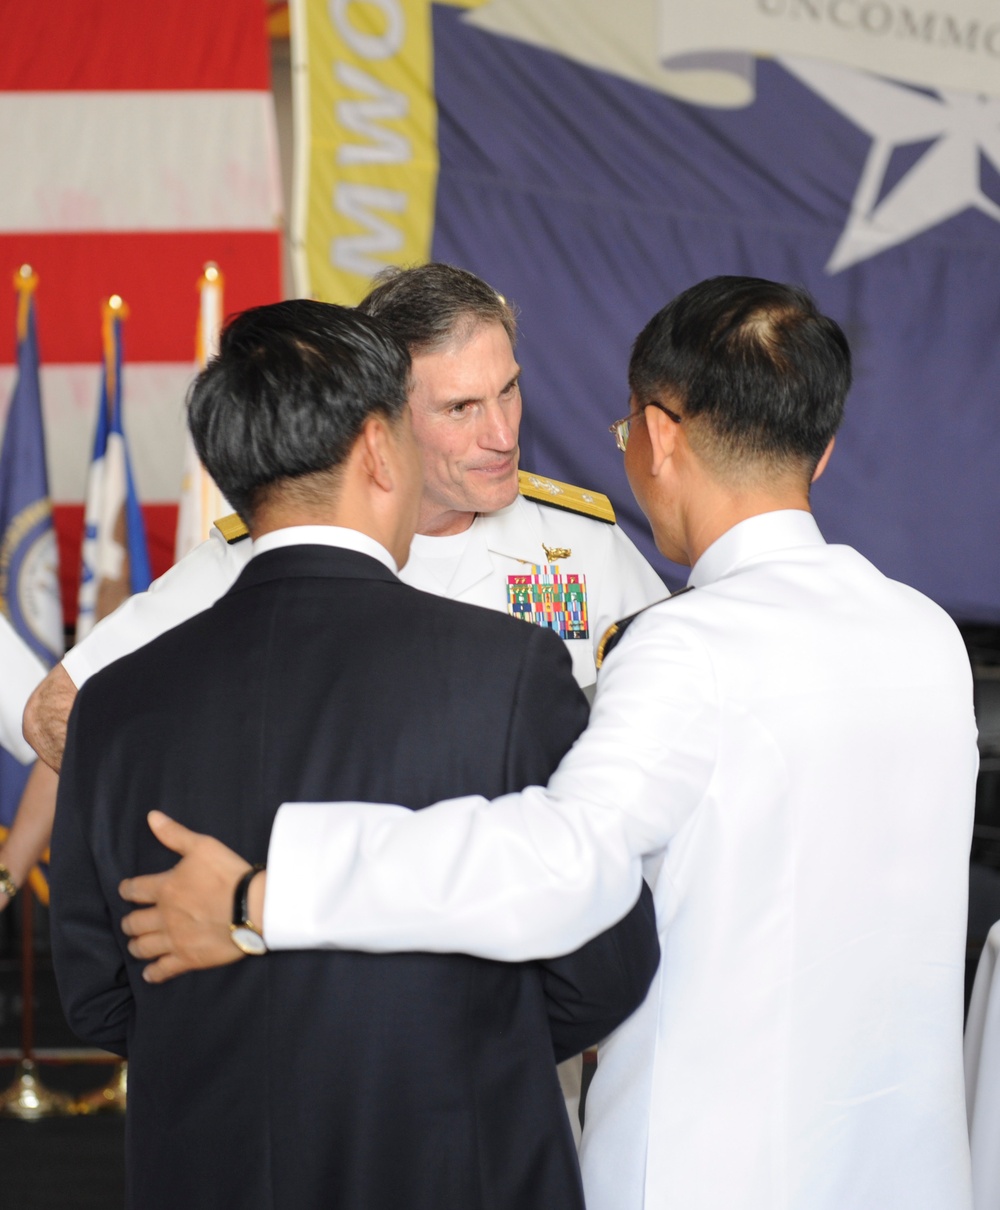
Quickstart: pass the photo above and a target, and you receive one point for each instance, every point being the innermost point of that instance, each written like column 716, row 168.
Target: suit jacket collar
column 324, row 535
column 303, row 561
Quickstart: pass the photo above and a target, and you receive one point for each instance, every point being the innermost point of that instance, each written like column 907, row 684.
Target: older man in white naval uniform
column 791, row 748
column 488, row 535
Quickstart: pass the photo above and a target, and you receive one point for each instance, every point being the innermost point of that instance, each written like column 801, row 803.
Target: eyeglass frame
column 620, row 429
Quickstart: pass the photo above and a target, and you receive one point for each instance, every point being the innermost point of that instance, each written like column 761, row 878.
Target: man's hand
column 187, row 925
column 46, row 716
column 31, row 830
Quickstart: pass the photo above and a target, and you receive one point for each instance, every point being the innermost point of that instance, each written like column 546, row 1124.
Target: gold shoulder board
column 232, row 528
column 564, row 495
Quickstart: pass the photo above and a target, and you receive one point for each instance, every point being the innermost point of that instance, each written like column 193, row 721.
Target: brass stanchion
column 28, row 1098
column 111, row 1098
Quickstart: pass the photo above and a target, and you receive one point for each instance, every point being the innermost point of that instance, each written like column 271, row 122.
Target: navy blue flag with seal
column 29, row 568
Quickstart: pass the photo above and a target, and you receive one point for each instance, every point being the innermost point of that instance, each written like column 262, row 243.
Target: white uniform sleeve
column 529, row 875
column 20, row 672
column 190, row 586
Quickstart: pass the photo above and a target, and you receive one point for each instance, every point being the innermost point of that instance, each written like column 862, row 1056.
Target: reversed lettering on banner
column 367, row 164
column 702, row 52
column 949, row 44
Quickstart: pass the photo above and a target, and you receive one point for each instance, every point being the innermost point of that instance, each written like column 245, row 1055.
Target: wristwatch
column 7, row 884
column 245, row 934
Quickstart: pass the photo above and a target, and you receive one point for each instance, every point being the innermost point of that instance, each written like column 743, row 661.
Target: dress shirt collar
column 760, row 535
column 324, row 535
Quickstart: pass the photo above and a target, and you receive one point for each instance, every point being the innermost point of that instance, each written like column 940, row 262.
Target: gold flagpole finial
column 114, row 309
column 210, row 286
column 211, row 275
column 25, row 282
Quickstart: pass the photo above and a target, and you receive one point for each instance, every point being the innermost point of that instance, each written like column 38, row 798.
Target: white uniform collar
column 324, row 535
column 508, row 531
column 760, row 535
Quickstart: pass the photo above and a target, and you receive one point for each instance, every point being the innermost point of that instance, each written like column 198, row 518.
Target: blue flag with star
column 590, row 199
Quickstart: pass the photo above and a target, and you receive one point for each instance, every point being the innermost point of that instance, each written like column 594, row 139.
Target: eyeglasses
column 620, row 428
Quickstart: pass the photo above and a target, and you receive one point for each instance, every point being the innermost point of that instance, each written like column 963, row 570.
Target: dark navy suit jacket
column 327, row 1079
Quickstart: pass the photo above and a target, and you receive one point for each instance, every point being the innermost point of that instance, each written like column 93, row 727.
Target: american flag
column 138, row 142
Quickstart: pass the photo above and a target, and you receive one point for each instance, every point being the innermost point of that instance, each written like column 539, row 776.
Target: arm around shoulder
column 46, row 716
column 531, row 874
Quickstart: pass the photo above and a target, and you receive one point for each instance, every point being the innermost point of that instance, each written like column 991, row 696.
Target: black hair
column 289, row 392
column 761, row 373
column 429, row 305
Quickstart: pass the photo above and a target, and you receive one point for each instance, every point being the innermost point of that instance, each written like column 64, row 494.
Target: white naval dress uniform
column 20, row 671
column 792, row 749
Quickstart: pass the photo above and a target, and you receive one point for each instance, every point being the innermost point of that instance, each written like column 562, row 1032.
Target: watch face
column 248, row 940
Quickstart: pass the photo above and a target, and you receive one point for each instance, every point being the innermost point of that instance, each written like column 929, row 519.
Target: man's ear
column 821, row 465
column 662, row 437
column 374, row 450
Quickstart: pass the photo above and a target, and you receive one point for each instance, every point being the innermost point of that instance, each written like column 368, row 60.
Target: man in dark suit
column 299, row 1080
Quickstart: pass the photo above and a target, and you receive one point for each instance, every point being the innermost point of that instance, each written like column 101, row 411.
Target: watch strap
column 241, row 912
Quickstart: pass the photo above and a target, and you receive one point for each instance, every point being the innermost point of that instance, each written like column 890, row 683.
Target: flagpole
column 27, row 1097
column 201, row 503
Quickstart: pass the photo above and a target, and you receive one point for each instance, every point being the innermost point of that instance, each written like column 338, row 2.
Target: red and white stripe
column 137, row 142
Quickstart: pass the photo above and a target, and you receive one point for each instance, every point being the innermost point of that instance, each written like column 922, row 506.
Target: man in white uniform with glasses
column 788, row 751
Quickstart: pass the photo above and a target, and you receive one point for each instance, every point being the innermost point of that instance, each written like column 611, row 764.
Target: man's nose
column 499, row 430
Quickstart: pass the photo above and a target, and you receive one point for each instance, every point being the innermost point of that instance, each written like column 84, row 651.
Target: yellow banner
column 366, row 141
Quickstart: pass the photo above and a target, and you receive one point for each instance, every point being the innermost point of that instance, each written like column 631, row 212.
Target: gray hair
column 428, row 306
